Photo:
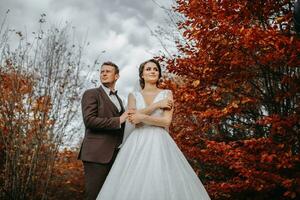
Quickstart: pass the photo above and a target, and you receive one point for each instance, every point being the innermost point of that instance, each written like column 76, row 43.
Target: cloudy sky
column 121, row 28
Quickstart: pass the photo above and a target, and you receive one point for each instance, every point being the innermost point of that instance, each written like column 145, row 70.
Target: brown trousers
column 95, row 175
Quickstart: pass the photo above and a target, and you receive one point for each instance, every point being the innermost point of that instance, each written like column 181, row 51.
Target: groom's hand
column 123, row 117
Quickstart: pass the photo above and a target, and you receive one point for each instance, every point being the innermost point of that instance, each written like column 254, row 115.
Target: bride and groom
column 144, row 163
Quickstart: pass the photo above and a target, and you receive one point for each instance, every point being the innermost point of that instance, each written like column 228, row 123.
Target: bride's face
column 150, row 73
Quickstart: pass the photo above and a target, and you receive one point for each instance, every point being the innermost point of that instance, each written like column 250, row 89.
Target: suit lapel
column 121, row 104
column 108, row 100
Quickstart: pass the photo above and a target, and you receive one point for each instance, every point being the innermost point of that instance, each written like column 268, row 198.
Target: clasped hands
column 136, row 117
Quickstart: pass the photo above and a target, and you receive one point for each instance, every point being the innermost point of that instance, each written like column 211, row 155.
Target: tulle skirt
column 150, row 166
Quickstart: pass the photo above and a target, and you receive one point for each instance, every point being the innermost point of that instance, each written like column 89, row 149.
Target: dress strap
column 166, row 93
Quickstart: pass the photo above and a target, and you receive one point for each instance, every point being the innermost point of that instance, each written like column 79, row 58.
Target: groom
column 104, row 117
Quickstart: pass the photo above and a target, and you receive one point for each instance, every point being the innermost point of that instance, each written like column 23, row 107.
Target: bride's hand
column 135, row 118
column 165, row 104
column 131, row 112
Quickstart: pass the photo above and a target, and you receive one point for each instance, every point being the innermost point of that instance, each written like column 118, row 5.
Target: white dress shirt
column 112, row 97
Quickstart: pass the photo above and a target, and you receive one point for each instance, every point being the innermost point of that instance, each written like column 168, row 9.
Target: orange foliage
column 237, row 104
column 24, row 144
column 68, row 177
column 31, row 165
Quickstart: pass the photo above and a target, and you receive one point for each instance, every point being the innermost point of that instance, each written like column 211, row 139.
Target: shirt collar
column 106, row 89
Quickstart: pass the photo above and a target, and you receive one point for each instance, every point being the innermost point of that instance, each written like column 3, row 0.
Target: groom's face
column 108, row 74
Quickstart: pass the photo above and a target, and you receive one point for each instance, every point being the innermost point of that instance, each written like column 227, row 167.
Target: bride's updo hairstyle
column 141, row 69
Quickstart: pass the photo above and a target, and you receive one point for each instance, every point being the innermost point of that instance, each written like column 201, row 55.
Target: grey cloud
column 118, row 30
column 118, row 27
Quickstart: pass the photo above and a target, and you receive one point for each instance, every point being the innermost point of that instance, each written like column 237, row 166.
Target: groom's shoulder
column 91, row 91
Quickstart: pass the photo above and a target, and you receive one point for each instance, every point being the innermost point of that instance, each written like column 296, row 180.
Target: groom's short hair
column 113, row 65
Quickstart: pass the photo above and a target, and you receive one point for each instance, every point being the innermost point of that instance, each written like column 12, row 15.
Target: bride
column 149, row 165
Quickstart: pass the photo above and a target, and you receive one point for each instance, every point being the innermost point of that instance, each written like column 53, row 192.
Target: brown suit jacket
column 103, row 133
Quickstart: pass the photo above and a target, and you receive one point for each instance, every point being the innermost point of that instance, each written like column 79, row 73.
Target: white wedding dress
column 150, row 166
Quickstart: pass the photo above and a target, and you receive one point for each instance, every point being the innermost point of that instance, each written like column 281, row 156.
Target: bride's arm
column 131, row 104
column 149, row 109
column 162, row 104
column 163, row 121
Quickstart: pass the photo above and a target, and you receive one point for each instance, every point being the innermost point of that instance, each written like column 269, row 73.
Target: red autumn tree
column 25, row 146
column 237, row 102
column 30, row 167
column 67, row 176
column 40, row 83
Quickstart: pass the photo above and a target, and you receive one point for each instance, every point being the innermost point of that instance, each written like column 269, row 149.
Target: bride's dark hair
column 141, row 69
